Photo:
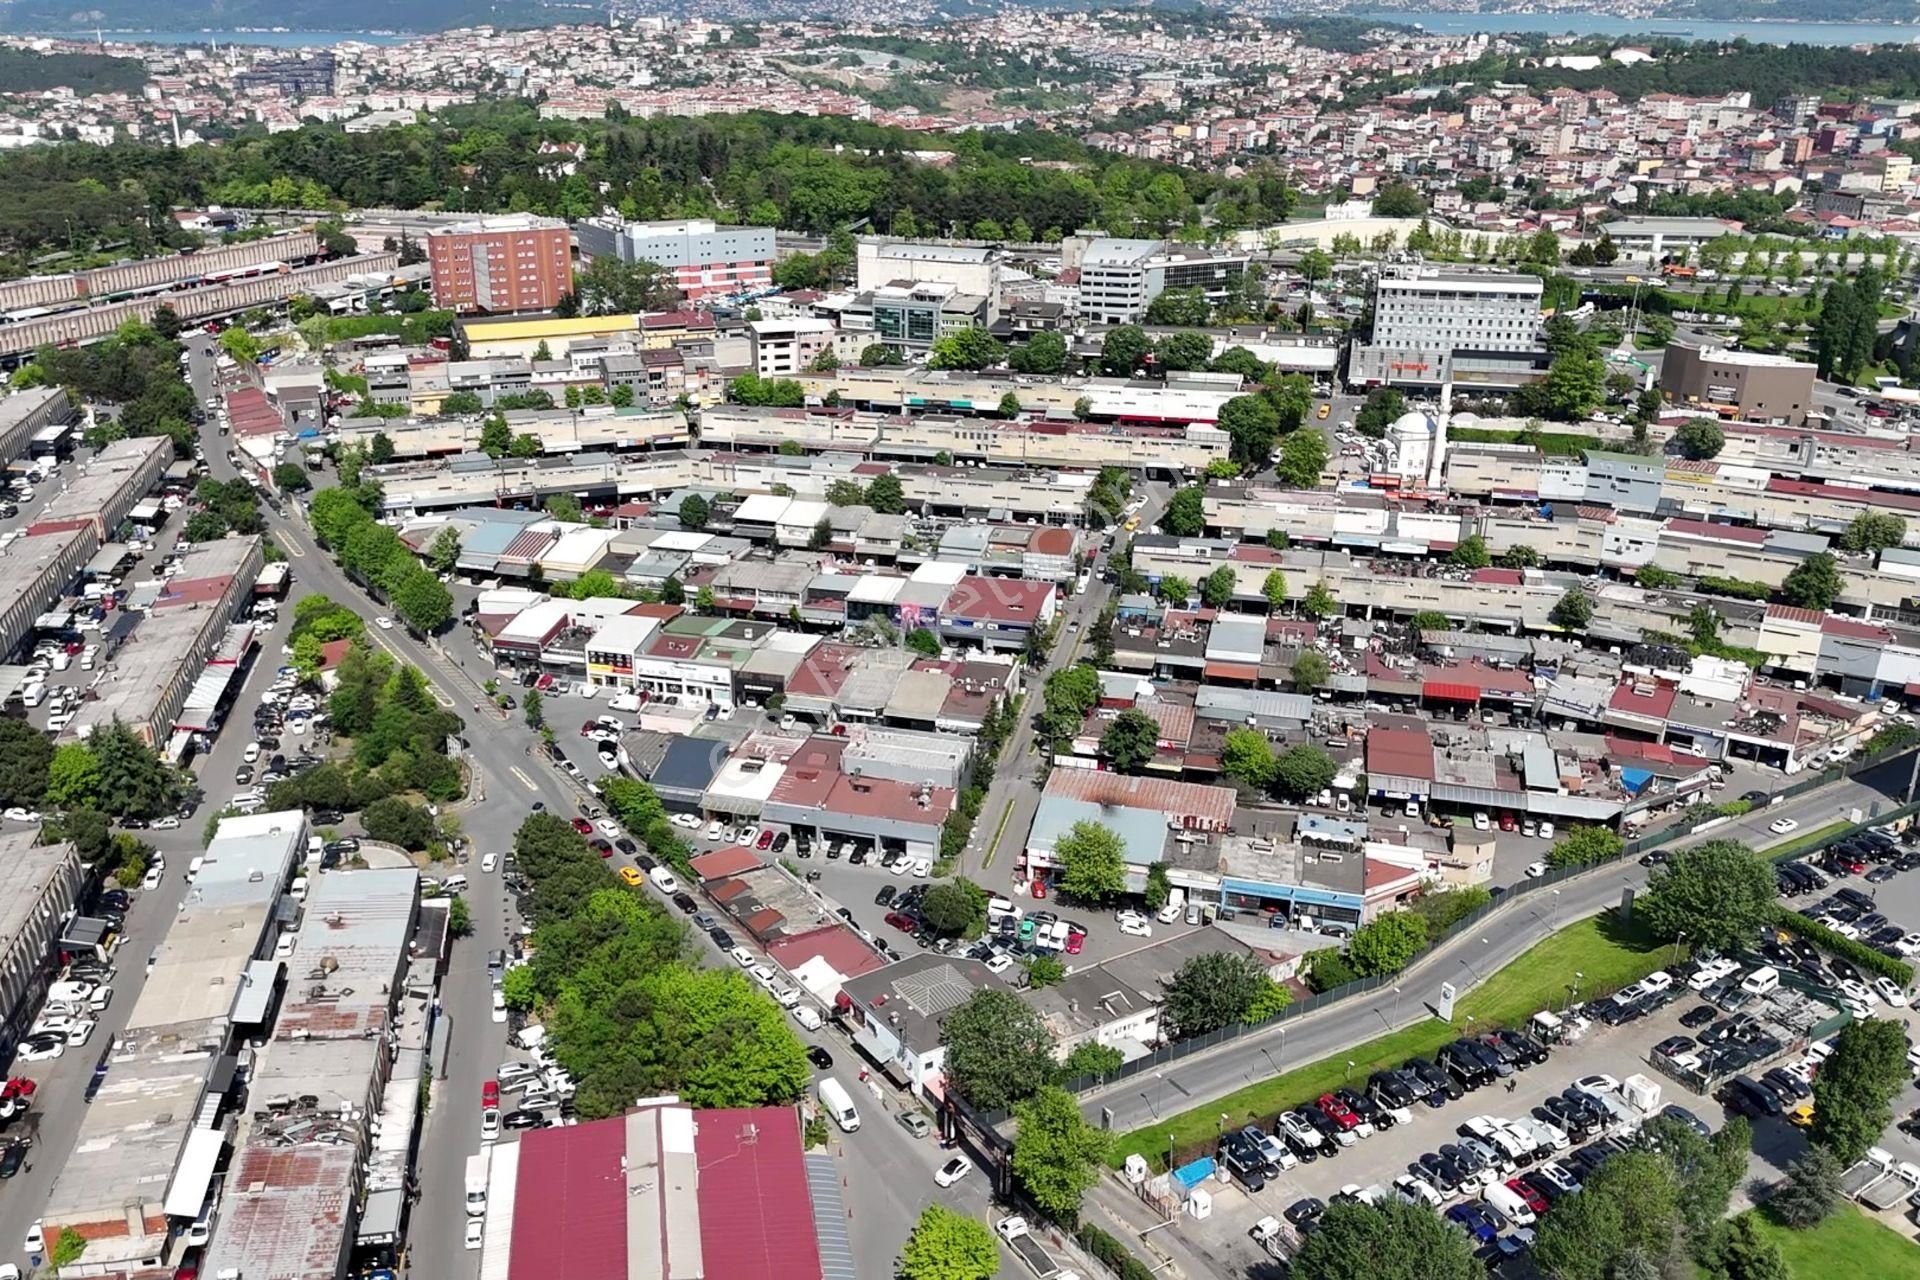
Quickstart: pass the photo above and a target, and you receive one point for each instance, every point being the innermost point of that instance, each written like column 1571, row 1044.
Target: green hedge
column 1857, row 953
column 1111, row 1254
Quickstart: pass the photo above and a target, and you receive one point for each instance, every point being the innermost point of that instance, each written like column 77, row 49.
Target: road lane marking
column 525, row 781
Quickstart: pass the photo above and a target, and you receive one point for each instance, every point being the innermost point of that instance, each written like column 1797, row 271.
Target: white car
column 999, row 962
column 746, row 836
column 687, row 821
column 78, row 1033
column 36, row 1238
column 35, row 1053
column 167, row 823
column 1782, row 826
column 608, row 828
column 1535, row 870
column 476, row 1232
column 763, row 975
column 921, row 867
column 1134, row 924
column 489, row 1124
column 17, row 814
column 902, row 866
column 1597, row 1086
column 1860, row 992
column 499, row 1006
column 152, row 879
column 1711, row 972
column 951, row 1172
column 1481, row 822
column 1417, row 1190
column 1546, row 829
column 251, row 753
column 489, row 862
column 743, row 957
column 1890, row 992
column 383, row 622
column 713, row 829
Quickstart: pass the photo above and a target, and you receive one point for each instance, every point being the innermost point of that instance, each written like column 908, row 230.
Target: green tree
column 1575, row 382
column 1584, row 846
column 1814, row 583
column 950, row 909
column 694, row 512
column 1122, row 350
column 1387, row 944
column 422, row 601
column 496, row 438
column 1091, row 861
column 1471, row 553
column 1811, row 1191
column 822, row 535
column 517, row 988
column 1855, row 1087
column 1631, row 1204
column 1303, row 771
column 1216, row 589
column 73, row 777
column 924, row 642
column 846, row 493
column 1175, row 589
column 444, row 552
column 1573, row 611
column 1184, row 352
column 945, row 1245
column 1310, row 671
column 1303, row 456
column 1392, row 1240
column 533, row 708
column 400, row 822
column 1873, row 531
column 1090, row 1058
column 1700, row 438
column 1179, row 308
column 1252, row 424
column 455, row 403
column 1319, row 602
column 1384, row 406
column 1186, row 513
column 969, row 348
column 1210, row 991
column 1431, row 620
column 1247, row 757
column 1274, row 588
column 1654, row 578
column 1397, row 200
column 1042, row 353
column 1056, row 1154
column 1159, row 888
column 25, row 753
column 999, row 1052
column 1718, row 894
column 1130, row 741
column 291, row 477
column 878, row 355
column 885, row 496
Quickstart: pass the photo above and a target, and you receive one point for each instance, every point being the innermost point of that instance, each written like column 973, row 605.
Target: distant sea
column 271, row 39
column 1597, row 24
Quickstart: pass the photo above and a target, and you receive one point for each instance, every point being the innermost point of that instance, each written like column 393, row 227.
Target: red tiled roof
column 834, row 944
column 1787, row 613
column 1406, row 753
column 721, row 863
column 1005, row 600
column 1504, row 577
column 1654, row 702
column 1854, row 630
column 756, row 1215
column 1231, row 671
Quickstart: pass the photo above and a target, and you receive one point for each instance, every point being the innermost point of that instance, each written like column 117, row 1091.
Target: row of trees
column 628, row 1011
column 343, row 518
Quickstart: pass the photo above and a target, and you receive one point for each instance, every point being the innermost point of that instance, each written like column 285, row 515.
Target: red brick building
column 512, row 263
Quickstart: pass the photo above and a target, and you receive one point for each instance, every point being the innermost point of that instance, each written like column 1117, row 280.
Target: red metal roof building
column 665, row 1193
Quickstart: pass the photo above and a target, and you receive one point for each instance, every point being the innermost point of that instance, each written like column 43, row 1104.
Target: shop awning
column 1447, row 691
column 187, row 1193
column 1232, row 671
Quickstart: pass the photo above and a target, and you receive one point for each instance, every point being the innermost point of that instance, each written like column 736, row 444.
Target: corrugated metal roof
column 570, row 1203
column 756, row 1209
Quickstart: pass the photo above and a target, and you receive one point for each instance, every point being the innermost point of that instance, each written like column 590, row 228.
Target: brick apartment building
column 513, row 263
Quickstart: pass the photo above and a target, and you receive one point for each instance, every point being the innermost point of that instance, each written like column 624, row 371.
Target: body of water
column 1599, row 24
column 271, row 39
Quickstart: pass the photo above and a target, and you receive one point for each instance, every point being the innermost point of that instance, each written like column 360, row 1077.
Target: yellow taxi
column 1323, row 411
column 1133, row 522
column 631, row 875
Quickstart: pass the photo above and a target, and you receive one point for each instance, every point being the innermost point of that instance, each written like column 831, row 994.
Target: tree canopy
column 1718, row 894
column 998, row 1050
column 1092, row 861
column 1210, row 991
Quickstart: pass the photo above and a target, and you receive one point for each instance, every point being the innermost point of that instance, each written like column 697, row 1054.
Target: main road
column 1465, row 960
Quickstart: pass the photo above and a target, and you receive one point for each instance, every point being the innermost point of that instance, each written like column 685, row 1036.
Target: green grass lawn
column 1609, row 954
column 1848, row 1244
column 1806, row 840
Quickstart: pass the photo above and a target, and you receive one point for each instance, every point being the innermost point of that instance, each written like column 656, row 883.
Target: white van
column 477, row 1185
column 193, row 868
column 1509, row 1203
column 807, row 1016
column 838, row 1106
column 34, row 694
column 1762, row 981
column 663, row 880
column 454, row 884
column 625, row 702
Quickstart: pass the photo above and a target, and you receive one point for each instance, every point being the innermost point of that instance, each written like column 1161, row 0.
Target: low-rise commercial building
column 39, row 885
column 140, row 1164
column 1748, row 385
column 38, row 569
column 105, row 489
column 704, row 260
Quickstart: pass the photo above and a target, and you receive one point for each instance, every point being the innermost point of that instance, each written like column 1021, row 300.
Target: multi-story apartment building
column 705, row 260
column 515, row 262
column 782, row 348
column 1430, row 328
column 1119, row 279
column 912, row 315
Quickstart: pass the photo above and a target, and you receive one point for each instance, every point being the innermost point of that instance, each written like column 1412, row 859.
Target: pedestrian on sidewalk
column 1512, row 1085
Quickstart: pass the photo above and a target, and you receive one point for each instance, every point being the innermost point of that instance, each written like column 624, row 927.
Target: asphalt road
column 1465, row 961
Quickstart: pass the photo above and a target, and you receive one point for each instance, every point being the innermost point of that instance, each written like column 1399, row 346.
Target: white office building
column 1469, row 329
column 1120, row 278
column 879, row 261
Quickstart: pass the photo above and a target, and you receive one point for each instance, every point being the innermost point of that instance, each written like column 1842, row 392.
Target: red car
column 1039, row 888
column 766, row 839
column 1339, row 1112
column 903, row 923
column 1075, row 941
column 589, row 727
column 1506, row 822
column 602, row 847
column 584, row 827
column 18, row 1087
column 1535, row 1201
column 490, row 1096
